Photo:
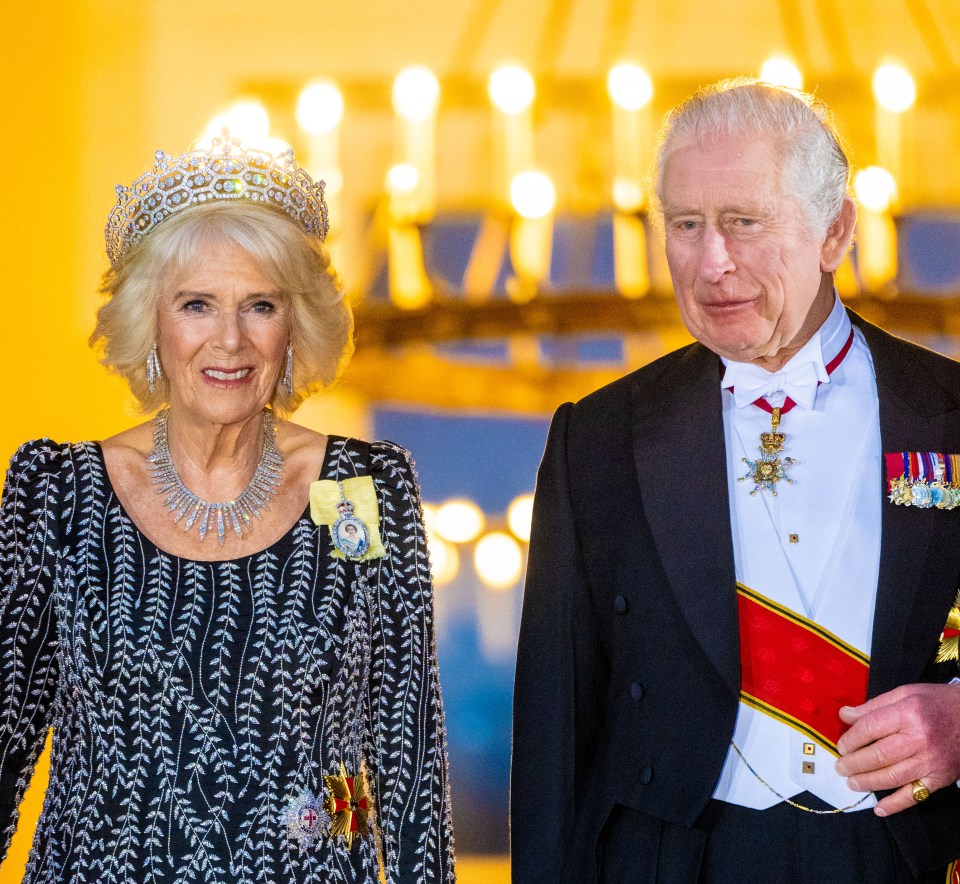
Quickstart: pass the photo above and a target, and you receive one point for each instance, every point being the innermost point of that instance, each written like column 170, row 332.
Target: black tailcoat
column 628, row 670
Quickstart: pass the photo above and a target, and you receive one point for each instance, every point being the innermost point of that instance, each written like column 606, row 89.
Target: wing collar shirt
column 814, row 547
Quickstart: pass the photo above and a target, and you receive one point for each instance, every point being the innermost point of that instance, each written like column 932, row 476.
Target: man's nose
column 715, row 260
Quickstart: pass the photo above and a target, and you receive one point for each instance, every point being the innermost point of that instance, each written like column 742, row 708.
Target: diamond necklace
column 239, row 512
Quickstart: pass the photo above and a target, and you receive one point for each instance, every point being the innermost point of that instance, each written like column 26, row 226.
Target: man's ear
column 835, row 244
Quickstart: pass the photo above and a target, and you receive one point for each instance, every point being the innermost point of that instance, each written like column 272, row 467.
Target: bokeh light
column 520, row 515
column 532, row 195
column 429, row 517
column 875, row 188
column 403, row 178
column 444, row 561
column 511, row 89
column 246, row 120
column 894, row 88
column 320, row 107
column 459, row 521
column 629, row 86
column 628, row 195
column 416, row 92
column 498, row 560
column 781, row 72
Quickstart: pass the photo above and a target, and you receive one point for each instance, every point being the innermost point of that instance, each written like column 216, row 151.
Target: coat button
column 636, row 690
column 646, row 774
column 620, row 604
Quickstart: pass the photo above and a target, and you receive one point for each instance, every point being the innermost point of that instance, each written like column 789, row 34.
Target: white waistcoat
column 814, row 548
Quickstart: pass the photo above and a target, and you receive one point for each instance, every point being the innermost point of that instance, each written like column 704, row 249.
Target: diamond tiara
column 225, row 171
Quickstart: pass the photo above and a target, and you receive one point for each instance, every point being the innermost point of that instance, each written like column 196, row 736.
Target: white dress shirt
column 815, row 547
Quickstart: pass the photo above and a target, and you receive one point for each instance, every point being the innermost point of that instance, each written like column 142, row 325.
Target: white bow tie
column 750, row 382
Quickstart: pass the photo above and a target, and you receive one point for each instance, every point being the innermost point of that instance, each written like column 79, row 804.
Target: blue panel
column 495, row 352
column 477, row 693
column 572, row 254
column 380, row 287
column 447, row 245
column 559, row 350
column 487, row 459
column 582, row 256
column 582, row 349
column 601, row 349
column 930, row 252
column 602, row 269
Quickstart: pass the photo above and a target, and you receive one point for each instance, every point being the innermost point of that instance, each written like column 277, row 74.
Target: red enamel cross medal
column 348, row 805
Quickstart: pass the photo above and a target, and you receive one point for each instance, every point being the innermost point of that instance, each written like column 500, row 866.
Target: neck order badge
column 769, row 468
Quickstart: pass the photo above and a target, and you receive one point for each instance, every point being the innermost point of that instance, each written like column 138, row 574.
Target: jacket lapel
column 680, row 457
column 920, row 548
column 681, row 466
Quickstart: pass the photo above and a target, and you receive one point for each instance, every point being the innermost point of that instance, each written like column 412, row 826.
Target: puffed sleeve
column 28, row 640
column 405, row 751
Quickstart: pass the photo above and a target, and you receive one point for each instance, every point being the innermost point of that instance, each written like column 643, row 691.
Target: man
column 692, row 688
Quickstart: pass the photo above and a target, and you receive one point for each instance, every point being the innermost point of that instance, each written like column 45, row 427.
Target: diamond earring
column 288, row 371
column 154, row 371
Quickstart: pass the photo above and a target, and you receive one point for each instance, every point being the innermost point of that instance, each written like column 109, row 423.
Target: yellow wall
column 50, row 383
column 56, row 154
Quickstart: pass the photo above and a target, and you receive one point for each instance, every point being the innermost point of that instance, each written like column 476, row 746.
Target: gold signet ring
column 920, row 792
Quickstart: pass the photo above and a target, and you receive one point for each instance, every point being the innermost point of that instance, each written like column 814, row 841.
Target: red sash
column 797, row 671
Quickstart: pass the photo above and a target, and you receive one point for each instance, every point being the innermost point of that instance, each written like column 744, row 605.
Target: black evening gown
column 198, row 706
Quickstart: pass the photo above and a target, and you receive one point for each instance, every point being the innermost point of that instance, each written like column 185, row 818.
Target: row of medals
column 920, row 493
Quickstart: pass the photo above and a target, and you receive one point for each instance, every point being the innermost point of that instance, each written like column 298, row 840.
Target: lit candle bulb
column 630, row 90
column 533, row 198
column 409, row 284
column 781, row 72
column 512, row 91
column 894, row 92
column 876, row 231
column 319, row 113
column 416, row 95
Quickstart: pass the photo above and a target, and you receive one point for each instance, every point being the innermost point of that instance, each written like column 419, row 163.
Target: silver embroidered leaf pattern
column 191, row 701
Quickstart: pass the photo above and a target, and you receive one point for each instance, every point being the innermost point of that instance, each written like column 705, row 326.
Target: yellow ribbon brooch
column 349, row 509
column 950, row 637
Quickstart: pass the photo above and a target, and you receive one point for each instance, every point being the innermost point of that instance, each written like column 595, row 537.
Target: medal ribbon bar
column 923, row 479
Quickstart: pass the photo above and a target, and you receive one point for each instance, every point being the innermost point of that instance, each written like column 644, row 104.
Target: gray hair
column 815, row 166
column 321, row 321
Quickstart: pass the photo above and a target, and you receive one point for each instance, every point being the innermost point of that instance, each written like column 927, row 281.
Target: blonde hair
column 321, row 321
column 816, row 168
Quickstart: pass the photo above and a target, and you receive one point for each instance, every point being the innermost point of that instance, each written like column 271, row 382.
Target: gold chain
column 795, row 804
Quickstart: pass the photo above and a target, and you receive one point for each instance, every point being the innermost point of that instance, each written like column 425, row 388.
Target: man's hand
column 910, row 733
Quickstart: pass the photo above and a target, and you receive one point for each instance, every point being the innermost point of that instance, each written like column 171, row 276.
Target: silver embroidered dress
column 192, row 701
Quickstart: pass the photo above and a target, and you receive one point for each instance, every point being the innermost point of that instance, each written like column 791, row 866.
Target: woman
column 236, row 694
